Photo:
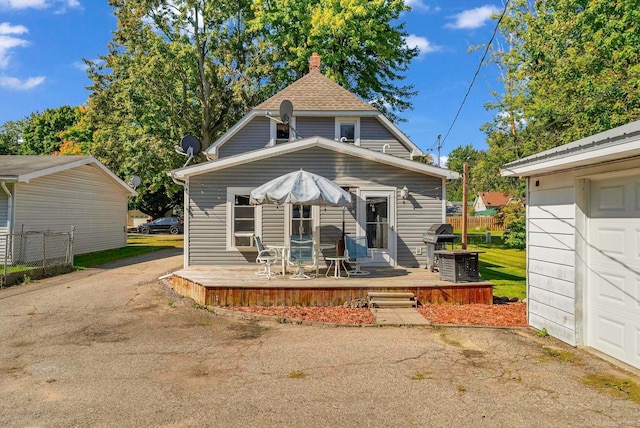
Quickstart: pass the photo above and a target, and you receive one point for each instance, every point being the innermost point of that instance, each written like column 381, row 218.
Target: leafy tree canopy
column 41, row 133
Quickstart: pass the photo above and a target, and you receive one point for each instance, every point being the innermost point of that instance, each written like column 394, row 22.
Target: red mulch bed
column 498, row 315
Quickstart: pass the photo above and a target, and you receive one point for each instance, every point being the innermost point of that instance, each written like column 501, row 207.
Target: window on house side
column 243, row 221
column 282, row 132
column 348, row 131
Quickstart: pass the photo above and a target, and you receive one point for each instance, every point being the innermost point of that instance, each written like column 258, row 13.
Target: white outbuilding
column 583, row 241
column 56, row 193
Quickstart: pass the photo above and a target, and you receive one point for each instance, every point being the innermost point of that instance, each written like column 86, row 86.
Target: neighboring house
column 583, row 241
column 135, row 218
column 55, row 193
column 490, row 202
column 335, row 134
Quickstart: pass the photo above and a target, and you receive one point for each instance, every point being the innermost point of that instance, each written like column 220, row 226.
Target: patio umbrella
column 302, row 188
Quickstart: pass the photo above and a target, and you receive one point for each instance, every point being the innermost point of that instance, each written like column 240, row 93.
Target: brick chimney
column 314, row 62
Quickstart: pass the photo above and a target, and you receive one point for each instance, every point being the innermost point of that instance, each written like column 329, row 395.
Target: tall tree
column 10, row 137
column 455, row 162
column 173, row 68
column 196, row 66
column 570, row 68
column 362, row 44
column 41, row 132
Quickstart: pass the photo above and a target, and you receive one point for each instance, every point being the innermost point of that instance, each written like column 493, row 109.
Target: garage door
column 613, row 305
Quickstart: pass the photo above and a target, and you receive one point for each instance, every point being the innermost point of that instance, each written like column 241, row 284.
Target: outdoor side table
column 282, row 252
column 458, row 265
column 338, row 264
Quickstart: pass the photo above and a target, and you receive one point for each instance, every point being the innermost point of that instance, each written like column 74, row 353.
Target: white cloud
column 6, row 44
column 420, row 6
column 424, row 45
column 6, row 28
column 24, row 4
column 15, row 83
column 473, row 18
column 443, row 161
column 37, row 4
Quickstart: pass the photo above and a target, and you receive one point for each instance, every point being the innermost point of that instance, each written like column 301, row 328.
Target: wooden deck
column 238, row 286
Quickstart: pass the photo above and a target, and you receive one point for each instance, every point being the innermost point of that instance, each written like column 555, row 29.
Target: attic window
column 348, row 130
column 282, row 132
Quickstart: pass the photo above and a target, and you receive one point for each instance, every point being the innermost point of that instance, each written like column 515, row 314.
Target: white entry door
column 613, row 294
column 376, row 212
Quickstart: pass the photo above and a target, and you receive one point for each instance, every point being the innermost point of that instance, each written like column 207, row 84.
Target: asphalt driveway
column 115, row 347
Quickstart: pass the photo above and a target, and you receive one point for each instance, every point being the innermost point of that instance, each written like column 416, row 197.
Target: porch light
column 404, row 193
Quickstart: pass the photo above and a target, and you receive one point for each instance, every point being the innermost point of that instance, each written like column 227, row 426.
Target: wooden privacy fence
column 483, row 222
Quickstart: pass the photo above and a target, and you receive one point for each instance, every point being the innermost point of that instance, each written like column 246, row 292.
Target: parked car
column 172, row 225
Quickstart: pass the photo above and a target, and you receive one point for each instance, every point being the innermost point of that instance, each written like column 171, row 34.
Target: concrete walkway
column 399, row 316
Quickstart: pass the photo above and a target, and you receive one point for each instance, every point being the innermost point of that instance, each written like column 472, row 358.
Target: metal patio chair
column 267, row 257
column 357, row 250
column 302, row 255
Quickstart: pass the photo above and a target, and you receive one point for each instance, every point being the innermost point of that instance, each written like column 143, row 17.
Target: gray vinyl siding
column 252, row 136
column 83, row 197
column 207, row 204
column 316, row 127
column 374, row 135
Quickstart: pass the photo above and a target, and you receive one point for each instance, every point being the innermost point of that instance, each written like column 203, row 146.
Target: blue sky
column 42, row 43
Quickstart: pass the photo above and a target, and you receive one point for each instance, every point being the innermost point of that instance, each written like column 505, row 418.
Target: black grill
column 436, row 238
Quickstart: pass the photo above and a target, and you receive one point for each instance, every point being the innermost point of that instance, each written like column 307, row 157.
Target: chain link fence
column 32, row 255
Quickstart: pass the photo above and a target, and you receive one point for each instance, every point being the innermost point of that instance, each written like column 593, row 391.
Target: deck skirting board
column 325, row 293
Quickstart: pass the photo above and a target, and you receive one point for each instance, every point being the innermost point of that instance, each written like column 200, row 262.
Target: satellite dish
column 286, row 111
column 135, row 182
column 190, row 145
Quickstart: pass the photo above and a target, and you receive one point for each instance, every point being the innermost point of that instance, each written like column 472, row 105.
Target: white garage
column 583, row 241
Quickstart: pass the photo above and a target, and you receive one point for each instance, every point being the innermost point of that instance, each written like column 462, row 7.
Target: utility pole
column 465, row 191
column 439, row 147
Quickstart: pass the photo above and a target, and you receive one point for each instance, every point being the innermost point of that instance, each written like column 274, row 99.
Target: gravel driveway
column 115, row 347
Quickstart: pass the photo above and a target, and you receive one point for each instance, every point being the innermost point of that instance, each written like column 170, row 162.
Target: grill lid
column 440, row 228
column 434, row 239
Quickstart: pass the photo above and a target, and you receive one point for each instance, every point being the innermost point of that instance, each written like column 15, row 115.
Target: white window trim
column 273, row 131
column 315, row 221
column 231, row 193
column 356, row 131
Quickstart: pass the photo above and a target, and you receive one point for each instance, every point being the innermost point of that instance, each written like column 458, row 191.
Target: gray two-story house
column 332, row 133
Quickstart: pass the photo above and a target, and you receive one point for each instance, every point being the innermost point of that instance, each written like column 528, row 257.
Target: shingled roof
column 315, row 92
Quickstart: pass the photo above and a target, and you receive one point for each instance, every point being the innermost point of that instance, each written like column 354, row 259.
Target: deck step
column 379, row 299
column 376, row 294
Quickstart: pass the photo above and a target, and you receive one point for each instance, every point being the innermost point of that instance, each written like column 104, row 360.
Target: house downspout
column 3, row 184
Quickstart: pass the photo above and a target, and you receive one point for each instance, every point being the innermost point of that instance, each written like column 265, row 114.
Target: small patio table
column 282, row 252
column 336, row 263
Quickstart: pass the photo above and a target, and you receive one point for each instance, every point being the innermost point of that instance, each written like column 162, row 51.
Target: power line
column 484, row 55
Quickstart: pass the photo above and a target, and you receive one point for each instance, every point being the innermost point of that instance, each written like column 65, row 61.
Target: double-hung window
column 243, row 219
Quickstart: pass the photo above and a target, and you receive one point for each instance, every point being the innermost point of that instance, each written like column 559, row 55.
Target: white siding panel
column 552, row 285
column 83, row 197
column 554, row 315
column 549, row 240
column 565, row 273
column 554, row 300
column 552, row 255
column 561, row 226
column 565, row 334
column 563, row 211
column 4, row 223
column 555, row 196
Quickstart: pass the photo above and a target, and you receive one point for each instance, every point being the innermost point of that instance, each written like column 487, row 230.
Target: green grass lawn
column 136, row 245
column 504, row 267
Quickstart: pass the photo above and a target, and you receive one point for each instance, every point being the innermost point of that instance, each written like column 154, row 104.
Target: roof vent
column 314, row 62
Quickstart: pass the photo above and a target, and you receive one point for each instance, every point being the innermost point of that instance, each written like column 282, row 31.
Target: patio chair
column 267, row 257
column 302, row 255
column 356, row 249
